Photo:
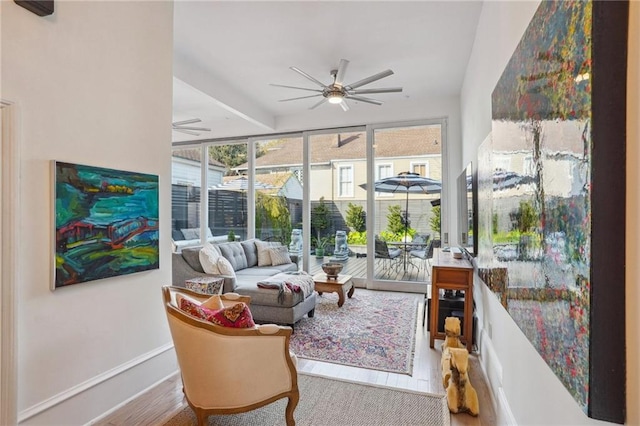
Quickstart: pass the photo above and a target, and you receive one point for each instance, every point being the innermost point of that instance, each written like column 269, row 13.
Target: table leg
column 340, row 297
column 351, row 290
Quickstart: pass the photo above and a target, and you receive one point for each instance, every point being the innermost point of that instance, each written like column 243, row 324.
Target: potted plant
column 320, row 218
column 321, row 245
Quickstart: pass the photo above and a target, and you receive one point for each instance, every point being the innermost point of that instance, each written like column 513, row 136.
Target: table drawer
column 451, row 276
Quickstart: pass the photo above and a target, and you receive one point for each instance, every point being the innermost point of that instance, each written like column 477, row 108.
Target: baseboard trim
column 504, row 416
column 94, row 381
column 128, row 400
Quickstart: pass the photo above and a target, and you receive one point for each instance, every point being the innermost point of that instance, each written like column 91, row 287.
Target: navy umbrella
column 408, row 183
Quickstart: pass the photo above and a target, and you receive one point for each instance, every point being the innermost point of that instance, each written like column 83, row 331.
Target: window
column 345, row 181
column 384, row 170
column 420, row 168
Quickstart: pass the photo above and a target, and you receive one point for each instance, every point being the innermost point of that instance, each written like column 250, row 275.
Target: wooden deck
column 357, row 267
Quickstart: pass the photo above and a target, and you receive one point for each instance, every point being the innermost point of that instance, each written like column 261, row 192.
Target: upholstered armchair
column 231, row 370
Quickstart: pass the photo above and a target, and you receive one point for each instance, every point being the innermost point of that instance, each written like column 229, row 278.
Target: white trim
column 378, row 177
column 412, row 164
column 349, row 192
column 9, row 249
column 88, row 384
column 504, row 416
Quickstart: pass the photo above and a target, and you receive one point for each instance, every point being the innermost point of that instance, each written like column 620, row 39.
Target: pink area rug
column 374, row 329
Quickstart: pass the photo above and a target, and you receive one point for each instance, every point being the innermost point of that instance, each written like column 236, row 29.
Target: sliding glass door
column 325, row 187
column 404, row 203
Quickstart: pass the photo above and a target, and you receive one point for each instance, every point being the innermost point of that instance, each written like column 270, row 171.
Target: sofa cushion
column 225, row 267
column 190, row 233
column 266, row 271
column 267, row 297
column 279, row 255
column 264, row 259
column 209, row 256
column 191, row 255
column 250, row 252
column 177, row 235
column 236, row 316
column 234, row 253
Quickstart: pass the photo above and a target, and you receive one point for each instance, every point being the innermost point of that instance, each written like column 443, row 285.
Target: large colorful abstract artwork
column 551, row 196
column 106, row 223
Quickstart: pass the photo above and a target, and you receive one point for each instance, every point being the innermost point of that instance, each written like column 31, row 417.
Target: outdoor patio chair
column 425, row 255
column 390, row 257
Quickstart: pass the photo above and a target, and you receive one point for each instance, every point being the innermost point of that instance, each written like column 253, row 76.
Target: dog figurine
column 452, row 340
column 461, row 396
column 452, row 333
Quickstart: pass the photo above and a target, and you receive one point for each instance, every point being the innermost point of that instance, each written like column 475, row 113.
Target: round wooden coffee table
column 342, row 285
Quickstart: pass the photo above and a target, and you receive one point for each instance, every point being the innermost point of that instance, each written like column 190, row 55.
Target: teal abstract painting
column 106, row 223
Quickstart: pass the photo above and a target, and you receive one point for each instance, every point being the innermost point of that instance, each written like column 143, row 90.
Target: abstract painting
column 106, row 223
column 551, row 196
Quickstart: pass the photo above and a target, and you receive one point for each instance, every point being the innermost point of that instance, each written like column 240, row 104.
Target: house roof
column 193, row 154
column 276, row 180
column 402, row 142
column 558, row 136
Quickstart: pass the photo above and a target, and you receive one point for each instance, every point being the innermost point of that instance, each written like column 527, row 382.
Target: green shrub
column 357, row 238
column 356, row 217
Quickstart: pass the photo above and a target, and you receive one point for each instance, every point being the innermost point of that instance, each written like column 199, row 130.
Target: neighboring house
column 185, row 168
column 338, row 161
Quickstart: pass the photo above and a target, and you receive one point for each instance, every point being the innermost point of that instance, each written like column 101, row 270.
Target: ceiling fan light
column 334, row 98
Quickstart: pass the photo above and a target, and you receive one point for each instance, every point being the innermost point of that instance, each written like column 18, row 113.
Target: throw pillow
column 209, row 256
column 225, row 268
column 180, row 297
column 191, row 233
column 264, row 259
column 279, row 255
column 214, row 303
column 236, row 316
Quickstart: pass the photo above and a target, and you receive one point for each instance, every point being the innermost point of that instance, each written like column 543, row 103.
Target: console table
column 448, row 273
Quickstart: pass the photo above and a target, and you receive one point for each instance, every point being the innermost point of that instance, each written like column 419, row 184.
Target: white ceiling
column 227, row 52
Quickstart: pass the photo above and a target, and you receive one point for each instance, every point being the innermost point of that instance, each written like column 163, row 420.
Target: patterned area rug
column 374, row 330
column 325, row 402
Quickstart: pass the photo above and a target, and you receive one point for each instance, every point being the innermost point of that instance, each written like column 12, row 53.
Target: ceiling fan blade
column 342, row 69
column 202, row 129
column 367, row 100
column 190, row 121
column 368, row 80
column 188, row 132
column 301, row 97
column 294, row 87
column 319, row 103
column 344, row 105
column 385, row 90
column 304, row 74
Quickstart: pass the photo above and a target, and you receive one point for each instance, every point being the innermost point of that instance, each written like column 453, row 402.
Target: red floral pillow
column 236, row 316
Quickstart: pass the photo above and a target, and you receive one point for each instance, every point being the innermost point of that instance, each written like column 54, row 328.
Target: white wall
column 92, row 84
column 517, row 373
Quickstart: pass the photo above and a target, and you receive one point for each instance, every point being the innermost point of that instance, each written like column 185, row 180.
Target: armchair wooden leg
column 202, row 417
column 291, row 407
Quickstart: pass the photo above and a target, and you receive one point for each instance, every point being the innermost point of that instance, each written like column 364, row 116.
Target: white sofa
column 190, row 237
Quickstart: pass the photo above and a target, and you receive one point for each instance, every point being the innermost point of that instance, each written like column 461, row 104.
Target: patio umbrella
column 408, row 183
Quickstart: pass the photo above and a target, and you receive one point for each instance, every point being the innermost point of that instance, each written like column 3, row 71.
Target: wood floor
column 165, row 400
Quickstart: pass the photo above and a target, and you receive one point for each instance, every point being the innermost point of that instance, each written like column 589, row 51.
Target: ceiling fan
column 338, row 92
column 181, row 126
